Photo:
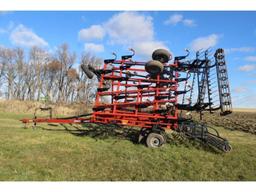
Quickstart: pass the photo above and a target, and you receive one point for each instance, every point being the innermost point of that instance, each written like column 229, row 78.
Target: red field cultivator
column 159, row 95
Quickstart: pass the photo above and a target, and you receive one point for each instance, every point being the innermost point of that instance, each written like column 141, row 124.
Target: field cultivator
column 159, row 95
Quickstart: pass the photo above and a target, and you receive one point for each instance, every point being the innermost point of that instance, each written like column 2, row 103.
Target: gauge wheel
column 154, row 67
column 87, row 71
column 155, row 140
column 161, row 55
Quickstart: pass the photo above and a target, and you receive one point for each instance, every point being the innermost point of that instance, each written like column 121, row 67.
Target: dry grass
column 28, row 107
column 251, row 110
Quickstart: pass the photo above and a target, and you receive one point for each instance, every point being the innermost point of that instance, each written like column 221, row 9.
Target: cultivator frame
column 153, row 95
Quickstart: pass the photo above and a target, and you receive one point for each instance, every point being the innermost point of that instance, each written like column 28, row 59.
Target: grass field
column 55, row 154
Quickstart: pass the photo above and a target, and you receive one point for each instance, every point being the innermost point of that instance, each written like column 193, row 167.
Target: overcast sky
column 105, row 32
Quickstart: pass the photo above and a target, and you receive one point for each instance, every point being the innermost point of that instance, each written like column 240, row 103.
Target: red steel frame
column 127, row 112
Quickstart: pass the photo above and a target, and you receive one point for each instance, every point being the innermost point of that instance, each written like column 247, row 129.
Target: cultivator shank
column 134, row 97
column 154, row 95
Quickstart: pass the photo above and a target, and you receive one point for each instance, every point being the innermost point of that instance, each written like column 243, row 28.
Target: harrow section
column 224, row 88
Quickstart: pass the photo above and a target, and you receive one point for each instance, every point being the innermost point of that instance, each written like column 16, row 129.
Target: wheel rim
column 155, row 142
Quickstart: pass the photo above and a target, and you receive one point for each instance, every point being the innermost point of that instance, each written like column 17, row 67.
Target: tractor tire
column 87, row 71
column 154, row 67
column 155, row 140
column 161, row 55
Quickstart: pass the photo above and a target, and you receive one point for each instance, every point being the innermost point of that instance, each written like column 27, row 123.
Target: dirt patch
column 243, row 121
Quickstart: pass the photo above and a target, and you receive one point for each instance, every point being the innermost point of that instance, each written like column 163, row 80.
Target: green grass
column 57, row 155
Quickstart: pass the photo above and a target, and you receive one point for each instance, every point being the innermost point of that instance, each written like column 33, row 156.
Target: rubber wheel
column 91, row 68
column 155, row 140
column 161, row 55
column 142, row 135
column 154, row 67
column 87, row 71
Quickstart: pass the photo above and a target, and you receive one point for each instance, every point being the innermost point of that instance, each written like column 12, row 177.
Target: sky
column 104, row 32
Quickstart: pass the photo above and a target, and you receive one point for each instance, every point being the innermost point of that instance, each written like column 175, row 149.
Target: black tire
column 142, row 135
column 87, row 71
column 91, row 68
column 155, row 140
column 161, row 55
column 220, row 50
column 154, row 67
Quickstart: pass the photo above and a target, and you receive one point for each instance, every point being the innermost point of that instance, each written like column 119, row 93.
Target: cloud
column 145, row 49
column 189, row 22
column 251, row 58
column 92, row 47
column 23, row 36
column 179, row 18
column 130, row 30
column 246, row 100
column 93, row 32
column 240, row 49
column 134, row 30
column 127, row 27
column 247, row 68
column 240, row 89
column 8, row 28
column 204, row 42
column 174, row 19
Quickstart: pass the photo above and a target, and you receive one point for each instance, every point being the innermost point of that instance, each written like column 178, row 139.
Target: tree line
column 37, row 73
